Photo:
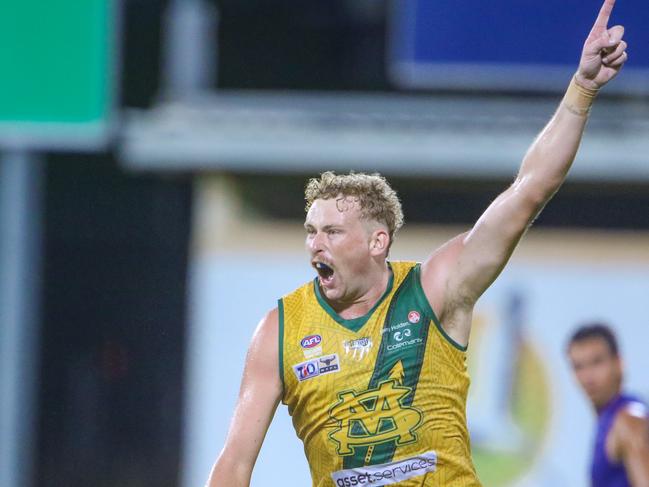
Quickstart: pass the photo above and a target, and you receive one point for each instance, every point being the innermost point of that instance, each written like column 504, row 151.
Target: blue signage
column 520, row 45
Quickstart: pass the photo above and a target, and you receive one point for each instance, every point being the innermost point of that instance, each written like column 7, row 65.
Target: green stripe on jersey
column 399, row 361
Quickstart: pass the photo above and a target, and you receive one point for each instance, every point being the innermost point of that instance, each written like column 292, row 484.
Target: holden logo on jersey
column 373, row 416
column 414, row 317
column 319, row 366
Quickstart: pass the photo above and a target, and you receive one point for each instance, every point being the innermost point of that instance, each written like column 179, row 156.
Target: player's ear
column 380, row 241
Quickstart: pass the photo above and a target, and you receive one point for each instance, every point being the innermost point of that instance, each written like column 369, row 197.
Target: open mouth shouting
column 325, row 273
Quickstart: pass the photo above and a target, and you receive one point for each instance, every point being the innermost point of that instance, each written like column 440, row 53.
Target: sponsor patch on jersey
column 329, row 363
column 402, row 339
column 358, row 348
column 358, row 343
column 396, row 327
column 387, row 473
column 414, row 317
column 403, row 342
column 319, row 366
column 402, row 336
column 312, row 352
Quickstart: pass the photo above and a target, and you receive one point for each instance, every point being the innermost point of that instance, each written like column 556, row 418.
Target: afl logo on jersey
column 414, row 317
column 310, row 341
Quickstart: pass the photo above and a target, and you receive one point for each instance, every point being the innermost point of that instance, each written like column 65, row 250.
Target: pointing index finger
column 604, row 14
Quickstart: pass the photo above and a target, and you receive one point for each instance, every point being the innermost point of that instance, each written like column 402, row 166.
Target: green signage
column 56, row 64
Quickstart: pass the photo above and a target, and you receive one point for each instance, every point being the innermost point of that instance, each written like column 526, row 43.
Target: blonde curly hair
column 376, row 199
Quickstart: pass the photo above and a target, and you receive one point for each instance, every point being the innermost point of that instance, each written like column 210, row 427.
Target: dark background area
column 113, row 325
column 455, row 201
column 116, row 243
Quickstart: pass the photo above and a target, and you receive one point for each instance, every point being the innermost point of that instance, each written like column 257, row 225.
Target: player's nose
column 315, row 242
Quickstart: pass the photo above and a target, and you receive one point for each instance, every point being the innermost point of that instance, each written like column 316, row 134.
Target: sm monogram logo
column 373, row 416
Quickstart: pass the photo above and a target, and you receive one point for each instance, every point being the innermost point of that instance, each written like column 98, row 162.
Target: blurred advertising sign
column 57, row 72
column 508, row 45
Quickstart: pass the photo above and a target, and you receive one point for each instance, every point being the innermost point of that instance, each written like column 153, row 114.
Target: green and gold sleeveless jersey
column 379, row 399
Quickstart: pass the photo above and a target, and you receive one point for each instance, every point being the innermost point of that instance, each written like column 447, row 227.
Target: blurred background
column 153, row 156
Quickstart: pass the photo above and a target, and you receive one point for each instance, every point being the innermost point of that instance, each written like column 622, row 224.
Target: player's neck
column 604, row 403
column 361, row 302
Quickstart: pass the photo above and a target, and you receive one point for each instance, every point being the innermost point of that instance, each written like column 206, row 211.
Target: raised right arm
column 260, row 393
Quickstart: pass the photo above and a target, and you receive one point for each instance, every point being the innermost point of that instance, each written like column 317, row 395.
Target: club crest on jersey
column 319, row 366
column 374, row 416
column 414, row 317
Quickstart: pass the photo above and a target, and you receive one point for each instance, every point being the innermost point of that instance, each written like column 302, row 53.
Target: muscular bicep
column 461, row 270
column 487, row 247
column 456, row 276
column 259, row 396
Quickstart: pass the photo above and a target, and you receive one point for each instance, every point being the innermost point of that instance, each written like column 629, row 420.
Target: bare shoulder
column 264, row 346
column 633, row 419
column 631, row 429
column 269, row 324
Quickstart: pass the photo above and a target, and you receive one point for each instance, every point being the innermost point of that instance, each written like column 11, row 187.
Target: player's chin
column 597, row 398
column 333, row 292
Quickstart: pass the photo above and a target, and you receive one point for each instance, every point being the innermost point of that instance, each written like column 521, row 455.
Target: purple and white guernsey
column 604, row 472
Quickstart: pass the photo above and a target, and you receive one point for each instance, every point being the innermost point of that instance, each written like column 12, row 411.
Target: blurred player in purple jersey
column 621, row 453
